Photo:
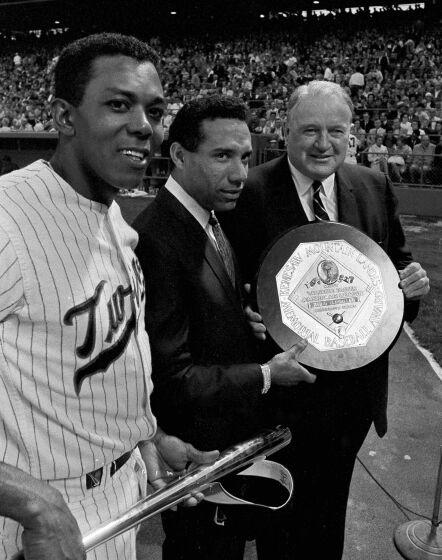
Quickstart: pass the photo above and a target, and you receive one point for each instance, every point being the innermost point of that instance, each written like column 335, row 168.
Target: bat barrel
column 233, row 459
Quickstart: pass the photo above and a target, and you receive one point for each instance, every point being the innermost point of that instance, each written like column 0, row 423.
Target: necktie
column 223, row 247
column 318, row 207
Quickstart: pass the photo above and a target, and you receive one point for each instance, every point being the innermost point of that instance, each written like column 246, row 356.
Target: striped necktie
column 318, row 206
column 223, row 246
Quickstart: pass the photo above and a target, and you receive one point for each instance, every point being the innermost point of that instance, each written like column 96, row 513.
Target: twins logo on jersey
column 116, row 309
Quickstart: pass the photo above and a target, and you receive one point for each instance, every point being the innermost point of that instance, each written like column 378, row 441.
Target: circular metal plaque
column 333, row 286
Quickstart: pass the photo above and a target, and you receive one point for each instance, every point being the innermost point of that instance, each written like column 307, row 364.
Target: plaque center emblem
column 331, row 294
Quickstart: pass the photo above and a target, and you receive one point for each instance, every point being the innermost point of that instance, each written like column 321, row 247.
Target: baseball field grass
column 424, row 236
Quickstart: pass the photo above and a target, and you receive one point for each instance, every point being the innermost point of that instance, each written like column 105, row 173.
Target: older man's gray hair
column 318, row 88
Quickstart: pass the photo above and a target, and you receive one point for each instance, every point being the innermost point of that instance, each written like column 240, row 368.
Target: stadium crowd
column 389, row 62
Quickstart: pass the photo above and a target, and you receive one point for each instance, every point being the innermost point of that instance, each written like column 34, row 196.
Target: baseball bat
column 233, row 459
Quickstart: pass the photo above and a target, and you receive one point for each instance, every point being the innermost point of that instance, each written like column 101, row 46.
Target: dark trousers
column 192, row 534
column 329, row 422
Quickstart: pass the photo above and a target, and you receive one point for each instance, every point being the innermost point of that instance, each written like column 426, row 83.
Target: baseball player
column 75, row 417
column 352, row 149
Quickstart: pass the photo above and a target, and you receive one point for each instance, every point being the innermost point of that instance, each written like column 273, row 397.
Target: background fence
column 419, row 190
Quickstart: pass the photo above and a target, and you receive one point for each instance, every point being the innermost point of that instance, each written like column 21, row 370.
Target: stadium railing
column 420, row 193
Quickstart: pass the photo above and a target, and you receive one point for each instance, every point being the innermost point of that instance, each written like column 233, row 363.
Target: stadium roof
column 43, row 14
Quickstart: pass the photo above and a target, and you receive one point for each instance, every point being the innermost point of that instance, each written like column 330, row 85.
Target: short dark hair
column 186, row 126
column 74, row 66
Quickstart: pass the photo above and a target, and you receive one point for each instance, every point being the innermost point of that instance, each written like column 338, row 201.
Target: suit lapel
column 347, row 206
column 287, row 207
column 197, row 241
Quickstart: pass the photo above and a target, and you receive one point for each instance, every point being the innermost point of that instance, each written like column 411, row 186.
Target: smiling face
column 215, row 172
column 116, row 127
column 317, row 142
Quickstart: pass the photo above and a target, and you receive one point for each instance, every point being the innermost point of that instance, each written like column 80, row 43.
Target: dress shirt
column 305, row 192
column 200, row 214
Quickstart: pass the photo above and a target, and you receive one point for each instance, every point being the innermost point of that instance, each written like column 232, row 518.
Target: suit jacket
column 207, row 382
column 270, row 205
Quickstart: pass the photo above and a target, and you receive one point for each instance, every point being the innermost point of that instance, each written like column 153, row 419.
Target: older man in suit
column 331, row 418
column 208, row 381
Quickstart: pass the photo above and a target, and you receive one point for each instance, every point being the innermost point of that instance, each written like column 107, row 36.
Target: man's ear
column 177, row 154
column 62, row 115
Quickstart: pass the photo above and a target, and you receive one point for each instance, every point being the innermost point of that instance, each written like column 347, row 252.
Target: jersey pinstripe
column 75, row 359
column 92, row 508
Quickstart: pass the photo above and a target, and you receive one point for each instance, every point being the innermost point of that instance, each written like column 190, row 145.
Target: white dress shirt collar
column 303, row 183
column 200, row 214
column 305, row 193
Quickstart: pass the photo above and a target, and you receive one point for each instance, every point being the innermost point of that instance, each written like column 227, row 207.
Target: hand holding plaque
column 330, row 284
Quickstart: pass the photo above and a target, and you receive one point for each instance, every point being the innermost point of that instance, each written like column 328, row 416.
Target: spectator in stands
column 364, row 148
column 398, row 160
column 279, row 132
column 269, row 127
column 174, row 103
column 270, row 124
column 435, row 132
column 367, row 124
column 15, row 125
column 264, row 70
column 356, row 81
column 25, row 125
column 167, row 121
column 352, row 149
column 361, row 137
column 435, row 115
column 421, row 114
column 38, row 127
column 389, row 140
column 416, row 133
column 396, row 128
column 385, row 122
column 378, row 154
column 422, row 160
column 426, row 126
column 5, row 127
column 405, row 125
column 428, row 101
column 329, row 75
column 253, row 120
column 261, row 126
column 378, row 129
column 356, row 126
column 272, row 150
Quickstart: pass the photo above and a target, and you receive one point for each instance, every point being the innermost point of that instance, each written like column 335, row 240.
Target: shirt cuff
column 267, row 378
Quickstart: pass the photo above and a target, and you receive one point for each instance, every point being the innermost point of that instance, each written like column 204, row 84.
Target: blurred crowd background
column 388, row 60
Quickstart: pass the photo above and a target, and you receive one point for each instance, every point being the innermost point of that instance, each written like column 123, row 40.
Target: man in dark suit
column 331, row 418
column 367, row 122
column 208, row 383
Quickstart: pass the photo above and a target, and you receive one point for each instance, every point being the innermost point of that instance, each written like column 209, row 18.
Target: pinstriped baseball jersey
column 75, row 359
column 91, row 508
